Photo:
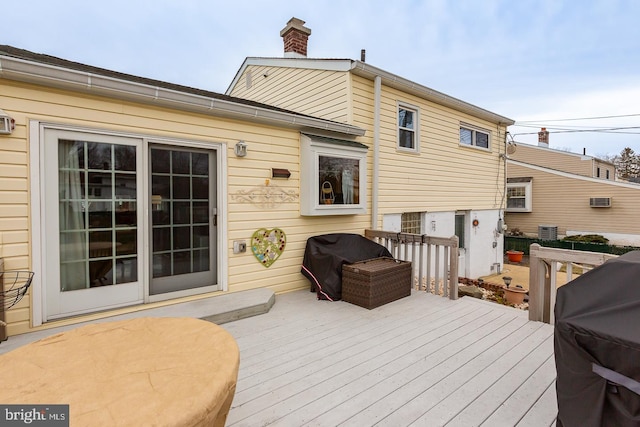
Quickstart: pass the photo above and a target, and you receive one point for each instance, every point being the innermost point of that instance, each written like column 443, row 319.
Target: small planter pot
column 515, row 256
column 514, row 296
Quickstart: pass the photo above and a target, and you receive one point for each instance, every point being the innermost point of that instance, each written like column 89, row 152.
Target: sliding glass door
column 92, row 221
column 183, row 219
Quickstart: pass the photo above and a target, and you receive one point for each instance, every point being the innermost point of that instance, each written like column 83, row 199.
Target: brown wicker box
column 375, row 282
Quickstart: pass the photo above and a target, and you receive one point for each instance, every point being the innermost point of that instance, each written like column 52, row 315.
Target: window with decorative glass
column 474, row 137
column 411, row 222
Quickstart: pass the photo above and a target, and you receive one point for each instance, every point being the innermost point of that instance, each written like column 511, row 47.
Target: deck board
column 423, row 359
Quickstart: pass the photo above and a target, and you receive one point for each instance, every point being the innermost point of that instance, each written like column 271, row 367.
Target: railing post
column 453, row 269
column 536, row 284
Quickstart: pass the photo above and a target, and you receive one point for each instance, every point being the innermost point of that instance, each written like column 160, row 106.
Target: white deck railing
column 544, row 264
column 434, row 259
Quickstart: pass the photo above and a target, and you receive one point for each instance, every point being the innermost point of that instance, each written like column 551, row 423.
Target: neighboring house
column 579, row 164
column 123, row 191
column 436, row 163
column 552, row 193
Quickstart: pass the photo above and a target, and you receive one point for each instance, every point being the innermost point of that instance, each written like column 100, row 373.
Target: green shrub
column 587, row 238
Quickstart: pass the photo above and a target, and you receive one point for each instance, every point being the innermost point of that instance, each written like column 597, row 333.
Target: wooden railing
column 434, row 259
column 544, row 264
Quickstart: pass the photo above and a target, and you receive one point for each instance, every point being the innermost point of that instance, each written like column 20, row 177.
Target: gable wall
column 323, row 96
column 564, row 202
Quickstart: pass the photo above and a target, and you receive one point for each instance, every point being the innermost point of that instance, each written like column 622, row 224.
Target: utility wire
column 582, row 118
column 606, row 130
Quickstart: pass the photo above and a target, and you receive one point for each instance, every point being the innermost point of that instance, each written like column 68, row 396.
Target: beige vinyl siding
column 555, row 159
column 268, row 147
column 564, row 201
column 323, row 96
column 444, row 175
column 604, row 168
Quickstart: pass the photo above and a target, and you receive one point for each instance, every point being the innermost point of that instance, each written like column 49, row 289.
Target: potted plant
column 514, row 295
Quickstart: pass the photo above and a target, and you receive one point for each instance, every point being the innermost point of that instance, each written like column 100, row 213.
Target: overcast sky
column 536, row 62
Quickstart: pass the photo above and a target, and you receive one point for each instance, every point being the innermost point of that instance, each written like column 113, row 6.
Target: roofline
column 570, row 153
column 574, row 176
column 370, row 72
column 310, row 63
column 365, row 70
column 61, row 77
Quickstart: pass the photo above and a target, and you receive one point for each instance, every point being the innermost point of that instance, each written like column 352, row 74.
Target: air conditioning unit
column 548, row 232
column 600, row 202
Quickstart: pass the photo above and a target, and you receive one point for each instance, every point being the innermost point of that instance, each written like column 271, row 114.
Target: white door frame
column 38, row 238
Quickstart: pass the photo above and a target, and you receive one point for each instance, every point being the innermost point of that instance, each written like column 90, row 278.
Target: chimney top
column 295, row 36
column 543, row 138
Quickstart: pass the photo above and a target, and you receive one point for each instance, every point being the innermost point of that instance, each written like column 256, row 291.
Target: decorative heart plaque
column 268, row 245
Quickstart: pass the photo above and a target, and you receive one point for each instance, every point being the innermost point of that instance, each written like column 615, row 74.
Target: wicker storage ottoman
column 375, row 282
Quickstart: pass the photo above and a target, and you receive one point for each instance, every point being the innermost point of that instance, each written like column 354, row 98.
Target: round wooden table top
column 147, row 371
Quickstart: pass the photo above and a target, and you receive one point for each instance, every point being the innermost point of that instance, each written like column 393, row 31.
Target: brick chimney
column 543, row 138
column 295, row 36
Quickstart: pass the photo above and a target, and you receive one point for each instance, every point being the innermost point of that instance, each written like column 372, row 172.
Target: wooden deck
column 423, row 360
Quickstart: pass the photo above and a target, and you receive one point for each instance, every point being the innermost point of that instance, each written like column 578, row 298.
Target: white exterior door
column 92, row 206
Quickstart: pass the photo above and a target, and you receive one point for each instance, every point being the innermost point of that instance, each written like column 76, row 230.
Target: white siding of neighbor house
column 563, row 200
column 268, row 147
column 324, row 95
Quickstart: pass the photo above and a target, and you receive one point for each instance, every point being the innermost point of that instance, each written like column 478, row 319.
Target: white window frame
column 527, row 197
column 474, row 131
column 416, row 123
column 311, row 151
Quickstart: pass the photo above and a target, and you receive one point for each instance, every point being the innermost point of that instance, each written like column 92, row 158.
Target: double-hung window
column 407, row 128
column 519, row 195
column 474, row 137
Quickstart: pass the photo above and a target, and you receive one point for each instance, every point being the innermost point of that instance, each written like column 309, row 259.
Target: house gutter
column 365, row 70
column 64, row 78
column 377, row 88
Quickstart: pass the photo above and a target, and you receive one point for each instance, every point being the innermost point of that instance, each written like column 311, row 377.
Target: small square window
column 411, row 222
column 407, row 128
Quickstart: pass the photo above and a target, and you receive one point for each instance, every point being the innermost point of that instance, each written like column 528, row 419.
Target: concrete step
column 218, row 309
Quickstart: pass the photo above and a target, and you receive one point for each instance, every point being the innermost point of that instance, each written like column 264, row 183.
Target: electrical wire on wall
column 500, row 188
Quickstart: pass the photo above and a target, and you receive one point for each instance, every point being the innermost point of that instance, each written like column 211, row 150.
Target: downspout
column 377, row 84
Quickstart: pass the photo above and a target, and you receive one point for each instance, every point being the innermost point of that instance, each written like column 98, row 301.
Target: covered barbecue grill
column 324, row 256
column 597, row 346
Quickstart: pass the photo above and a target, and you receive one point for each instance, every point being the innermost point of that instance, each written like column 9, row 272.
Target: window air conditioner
column 548, row 232
column 600, row 202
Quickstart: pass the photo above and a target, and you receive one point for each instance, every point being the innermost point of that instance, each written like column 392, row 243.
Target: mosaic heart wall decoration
column 268, row 245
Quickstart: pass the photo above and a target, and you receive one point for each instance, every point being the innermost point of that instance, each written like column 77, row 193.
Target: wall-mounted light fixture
column 280, row 173
column 240, row 149
column 7, row 124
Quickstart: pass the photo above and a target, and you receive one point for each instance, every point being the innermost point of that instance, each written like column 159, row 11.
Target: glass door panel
column 98, row 214
column 92, row 188
column 182, row 215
